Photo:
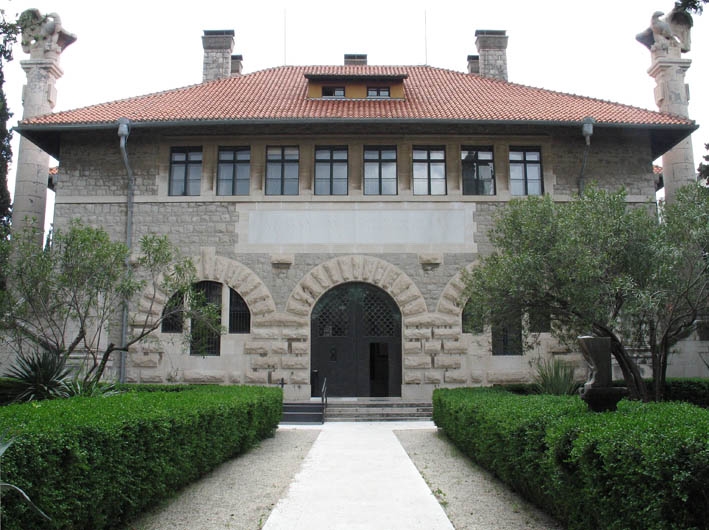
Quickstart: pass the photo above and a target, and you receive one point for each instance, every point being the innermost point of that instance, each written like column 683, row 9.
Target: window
column 472, row 320
column 234, row 171
column 507, row 337
column 330, row 171
column 478, row 171
column 239, row 314
column 282, row 171
column 185, row 170
column 380, row 171
column 333, row 92
column 429, row 171
column 173, row 319
column 526, row 171
column 378, row 92
column 540, row 321
column 205, row 340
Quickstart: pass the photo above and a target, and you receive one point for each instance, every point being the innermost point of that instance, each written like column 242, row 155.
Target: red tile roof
column 430, row 94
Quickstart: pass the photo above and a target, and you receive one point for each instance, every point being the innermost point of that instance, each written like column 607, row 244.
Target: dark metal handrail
column 323, row 398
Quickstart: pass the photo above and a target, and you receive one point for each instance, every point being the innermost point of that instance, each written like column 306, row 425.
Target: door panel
column 356, row 342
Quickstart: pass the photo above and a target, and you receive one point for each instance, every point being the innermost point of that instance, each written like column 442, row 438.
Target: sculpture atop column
column 44, row 39
column 667, row 38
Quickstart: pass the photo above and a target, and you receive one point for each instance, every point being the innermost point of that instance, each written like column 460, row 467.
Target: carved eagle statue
column 676, row 26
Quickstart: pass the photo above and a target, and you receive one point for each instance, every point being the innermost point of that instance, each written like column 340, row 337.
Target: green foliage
column 643, row 467
column 95, row 463
column 555, row 377
column 5, row 443
column 38, row 375
column 65, row 297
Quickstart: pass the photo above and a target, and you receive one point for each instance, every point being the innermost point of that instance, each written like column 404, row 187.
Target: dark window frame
column 525, row 164
column 469, row 322
column 378, row 92
column 212, row 339
column 429, row 162
column 185, row 164
column 330, row 162
column 235, row 164
column 173, row 322
column 281, row 164
column 380, row 161
column 474, row 185
column 239, row 313
column 331, row 92
column 507, row 337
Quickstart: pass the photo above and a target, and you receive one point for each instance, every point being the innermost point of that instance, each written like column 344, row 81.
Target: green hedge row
column 643, row 467
column 95, row 463
column 694, row 391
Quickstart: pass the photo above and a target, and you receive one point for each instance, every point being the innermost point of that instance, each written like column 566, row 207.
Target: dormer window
column 333, row 92
column 378, row 92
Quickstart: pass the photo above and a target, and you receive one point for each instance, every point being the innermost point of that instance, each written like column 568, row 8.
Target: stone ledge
column 197, row 376
column 282, row 259
column 431, row 259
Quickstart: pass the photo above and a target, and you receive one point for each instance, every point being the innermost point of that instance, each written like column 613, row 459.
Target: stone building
column 331, row 209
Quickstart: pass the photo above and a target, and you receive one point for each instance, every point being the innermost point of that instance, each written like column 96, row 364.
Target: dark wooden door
column 356, row 342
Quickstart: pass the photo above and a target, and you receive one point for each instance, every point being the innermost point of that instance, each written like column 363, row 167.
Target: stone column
column 44, row 39
column 672, row 96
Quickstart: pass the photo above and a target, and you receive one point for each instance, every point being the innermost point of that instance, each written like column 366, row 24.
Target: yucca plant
column 78, row 387
column 38, row 375
column 555, row 377
column 5, row 443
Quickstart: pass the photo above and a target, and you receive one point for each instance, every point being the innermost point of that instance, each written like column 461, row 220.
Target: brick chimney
column 217, row 45
column 355, row 59
column 492, row 47
column 473, row 64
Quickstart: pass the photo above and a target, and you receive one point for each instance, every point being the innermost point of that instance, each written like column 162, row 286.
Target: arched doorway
column 356, row 342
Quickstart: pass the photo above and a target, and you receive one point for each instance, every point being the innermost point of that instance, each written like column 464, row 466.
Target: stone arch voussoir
column 450, row 302
column 356, row 268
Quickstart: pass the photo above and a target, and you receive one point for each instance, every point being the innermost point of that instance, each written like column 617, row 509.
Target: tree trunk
column 631, row 373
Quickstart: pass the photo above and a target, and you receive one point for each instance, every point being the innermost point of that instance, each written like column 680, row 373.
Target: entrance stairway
column 356, row 409
column 373, row 409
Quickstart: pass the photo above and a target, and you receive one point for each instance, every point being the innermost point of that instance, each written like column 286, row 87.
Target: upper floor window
column 185, row 170
column 282, row 170
column 526, row 171
column 333, row 92
column 378, row 92
column 234, row 171
column 330, row 171
column 380, row 170
column 429, row 170
column 478, row 171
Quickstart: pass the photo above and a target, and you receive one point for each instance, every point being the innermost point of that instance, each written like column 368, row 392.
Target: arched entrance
column 356, row 342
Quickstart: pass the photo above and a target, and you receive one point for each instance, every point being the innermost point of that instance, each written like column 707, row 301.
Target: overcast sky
column 131, row 47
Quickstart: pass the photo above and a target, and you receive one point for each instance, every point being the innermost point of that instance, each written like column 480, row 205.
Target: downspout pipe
column 587, row 132
column 123, row 132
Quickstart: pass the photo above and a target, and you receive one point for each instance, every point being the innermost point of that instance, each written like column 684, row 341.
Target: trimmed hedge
column 95, row 463
column 645, row 466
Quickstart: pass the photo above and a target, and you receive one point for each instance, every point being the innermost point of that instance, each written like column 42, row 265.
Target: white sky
column 131, row 47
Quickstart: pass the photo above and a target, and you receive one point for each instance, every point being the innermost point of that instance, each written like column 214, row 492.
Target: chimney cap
column 238, row 57
column 473, row 57
column 219, row 33
column 490, row 32
column 355, row 59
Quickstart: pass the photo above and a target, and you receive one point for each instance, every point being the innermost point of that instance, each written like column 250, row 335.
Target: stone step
column 302, row 412
column 378, row 411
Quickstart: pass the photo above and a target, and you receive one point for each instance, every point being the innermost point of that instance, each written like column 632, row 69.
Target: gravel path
column 239, row 494
column 472, row 498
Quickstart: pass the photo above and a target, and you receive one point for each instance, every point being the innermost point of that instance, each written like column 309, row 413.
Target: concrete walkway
column 358, row 476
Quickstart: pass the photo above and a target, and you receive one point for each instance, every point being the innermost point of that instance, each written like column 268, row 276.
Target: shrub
column 555, row 377
column 643, row 467
column 37, row 376
column 95, row 463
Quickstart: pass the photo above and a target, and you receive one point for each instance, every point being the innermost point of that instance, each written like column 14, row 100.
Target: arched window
column 471, row 319
column 205, row 340
column 239, row 314
column 173, row 320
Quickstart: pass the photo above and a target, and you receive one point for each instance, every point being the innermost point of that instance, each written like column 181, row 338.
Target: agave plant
column 37, row 376
column 79, row 387
column 5, row 443
column 555, row 377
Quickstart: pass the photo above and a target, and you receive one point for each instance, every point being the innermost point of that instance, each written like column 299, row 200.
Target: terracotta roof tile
column 430, row 94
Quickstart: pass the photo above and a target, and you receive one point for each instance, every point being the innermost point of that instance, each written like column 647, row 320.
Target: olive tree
column 67, row 298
